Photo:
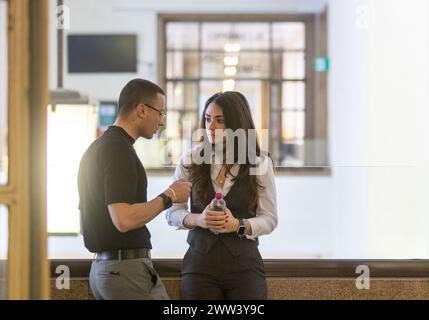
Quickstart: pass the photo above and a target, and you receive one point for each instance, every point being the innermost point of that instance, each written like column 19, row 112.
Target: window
column 270, row 62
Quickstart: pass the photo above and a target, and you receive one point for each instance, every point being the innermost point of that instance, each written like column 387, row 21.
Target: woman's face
column 215, row 123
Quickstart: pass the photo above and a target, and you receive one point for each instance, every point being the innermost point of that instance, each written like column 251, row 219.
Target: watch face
column 242, row 227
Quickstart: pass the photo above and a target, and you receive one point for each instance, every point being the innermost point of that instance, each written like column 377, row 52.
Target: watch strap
column 241, row 227
column 166, row 200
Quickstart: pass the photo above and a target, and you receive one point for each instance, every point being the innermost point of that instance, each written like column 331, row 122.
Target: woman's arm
column 266, row 213
column 176, row 214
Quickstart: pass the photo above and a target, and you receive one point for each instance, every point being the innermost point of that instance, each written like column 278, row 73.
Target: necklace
column 220, row 179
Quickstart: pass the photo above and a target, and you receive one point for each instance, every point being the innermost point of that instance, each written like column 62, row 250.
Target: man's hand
column 179, row 191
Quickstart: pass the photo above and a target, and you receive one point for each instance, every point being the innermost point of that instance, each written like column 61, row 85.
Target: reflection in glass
column 253, row 58
column 289, row 35
column 182, row 95
column 3, row 95
column 292, row 126
column 4, row 243
column 232, row 36
column 182, row 64
column 256, row 93
column 293, row 95
column 291, row 154
column 252, row 90
column 289, row 65
column 207, row 89
column 249, row 65
column 182, row 35
column 178, row 120
column 291, row 146
column 181, row 126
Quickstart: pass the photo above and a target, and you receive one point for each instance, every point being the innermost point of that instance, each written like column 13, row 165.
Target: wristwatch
column 167, row 200
column 241, row 227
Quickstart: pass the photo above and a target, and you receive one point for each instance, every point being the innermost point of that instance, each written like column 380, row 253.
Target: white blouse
column 266, row 213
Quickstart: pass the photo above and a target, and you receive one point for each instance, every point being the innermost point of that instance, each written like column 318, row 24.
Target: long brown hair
column 236, row 113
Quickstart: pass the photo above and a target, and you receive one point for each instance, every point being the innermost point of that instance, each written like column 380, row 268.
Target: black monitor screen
column 102, row 53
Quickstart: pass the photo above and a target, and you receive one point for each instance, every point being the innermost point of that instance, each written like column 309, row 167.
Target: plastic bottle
column 217, row 204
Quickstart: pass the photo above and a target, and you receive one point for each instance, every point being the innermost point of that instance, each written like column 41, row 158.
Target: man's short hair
column 135, row 92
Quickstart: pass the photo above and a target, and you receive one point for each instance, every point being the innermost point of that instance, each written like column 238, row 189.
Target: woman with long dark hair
column 223, row 260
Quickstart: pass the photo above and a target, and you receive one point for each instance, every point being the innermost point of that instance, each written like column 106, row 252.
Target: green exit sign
column 321, row 64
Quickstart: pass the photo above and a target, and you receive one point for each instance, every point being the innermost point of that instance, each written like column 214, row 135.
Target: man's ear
column 141, row 110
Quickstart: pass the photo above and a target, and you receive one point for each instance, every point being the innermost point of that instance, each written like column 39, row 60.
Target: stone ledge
column 293, row 289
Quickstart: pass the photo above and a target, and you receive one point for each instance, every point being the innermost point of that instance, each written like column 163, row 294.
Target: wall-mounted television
column 93, row 53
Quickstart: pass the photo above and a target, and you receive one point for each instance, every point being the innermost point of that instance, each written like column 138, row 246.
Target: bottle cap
column 218, row 196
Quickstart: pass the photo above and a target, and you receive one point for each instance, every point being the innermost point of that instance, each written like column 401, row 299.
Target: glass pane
column 235, row 36
column 291, row 146
column 275, row 120
column 252, row 90
column 167, row 148
column 182, row 95
column 177, row 120
column 289, row 35
column 292, row 125
column 240, row 65
column 182, row 64
column 152, row 159
column 3, row 94
column 4, row 244
column 180, row 126
column 71, row 129
column 289, row 65
column 291, row 154
column 256, row 93
column 182, row 35
column 293, row 95
column 207, row 89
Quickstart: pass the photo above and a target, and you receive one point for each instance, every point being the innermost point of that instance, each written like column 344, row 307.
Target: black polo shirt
column 110, row 172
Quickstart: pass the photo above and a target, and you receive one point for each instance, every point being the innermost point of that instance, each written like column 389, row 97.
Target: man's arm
column 127, row 217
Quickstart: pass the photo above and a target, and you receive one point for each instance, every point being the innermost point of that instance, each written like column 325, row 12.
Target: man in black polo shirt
column 114, row 209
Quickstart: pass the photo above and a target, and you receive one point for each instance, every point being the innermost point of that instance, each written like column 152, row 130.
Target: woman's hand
column 210, row 219
column 222, row 221
column 231, row 224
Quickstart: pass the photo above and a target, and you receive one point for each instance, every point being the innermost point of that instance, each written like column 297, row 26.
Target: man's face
column 152, row 117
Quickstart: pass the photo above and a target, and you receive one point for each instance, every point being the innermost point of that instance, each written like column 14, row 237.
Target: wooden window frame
column 25, row 192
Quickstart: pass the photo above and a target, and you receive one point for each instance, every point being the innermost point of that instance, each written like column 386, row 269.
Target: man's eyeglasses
column 161, row 113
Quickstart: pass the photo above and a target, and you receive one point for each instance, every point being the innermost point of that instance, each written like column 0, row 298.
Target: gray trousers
column 131, row 279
